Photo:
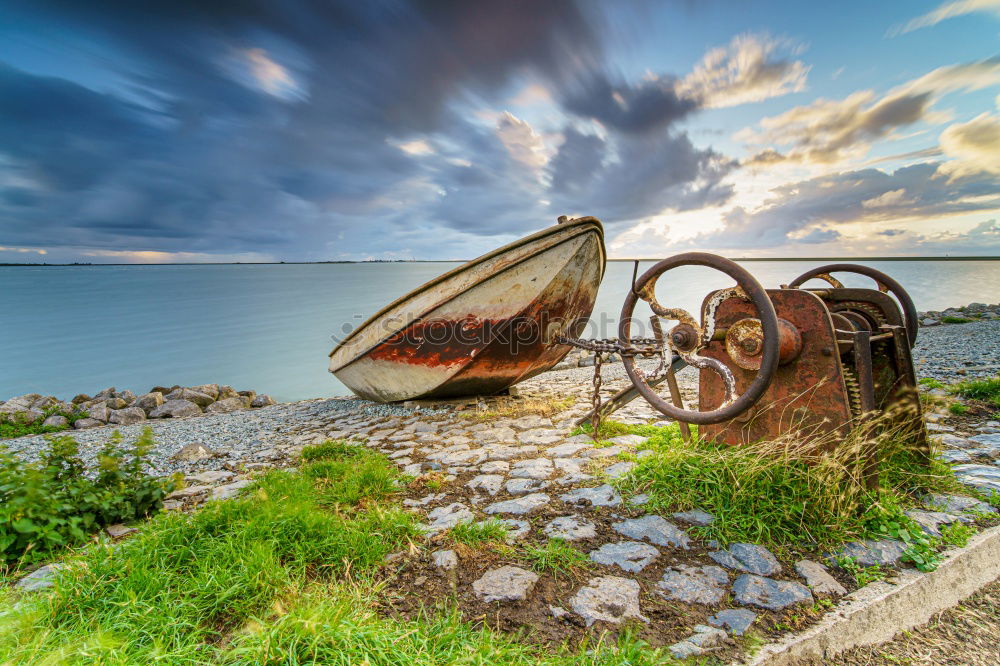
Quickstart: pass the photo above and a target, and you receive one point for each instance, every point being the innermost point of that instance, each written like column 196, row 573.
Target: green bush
column 15, row 426
column 53, row 503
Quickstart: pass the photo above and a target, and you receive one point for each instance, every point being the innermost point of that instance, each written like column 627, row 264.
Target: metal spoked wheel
column 885, row 284
column 689, row 337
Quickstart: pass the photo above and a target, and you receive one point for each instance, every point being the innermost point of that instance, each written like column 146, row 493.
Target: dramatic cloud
column 946, row 11
column 808, row 211
column 829, row 131
column 744, row 71
column 975, row 145
column 650, row 105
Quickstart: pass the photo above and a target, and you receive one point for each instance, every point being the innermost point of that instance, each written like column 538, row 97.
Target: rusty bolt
column 751, row 346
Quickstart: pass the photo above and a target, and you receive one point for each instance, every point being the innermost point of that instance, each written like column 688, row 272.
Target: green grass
column 13, row 426
column 986, row 390
column 476, row 534
column 608, row 429
column 956, row 320
column 958, row 408
column 556, row 557
column 931, row 383
column 785, row 492
column 281, row 575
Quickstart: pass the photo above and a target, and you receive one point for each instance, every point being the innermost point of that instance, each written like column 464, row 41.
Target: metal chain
column 644, row 347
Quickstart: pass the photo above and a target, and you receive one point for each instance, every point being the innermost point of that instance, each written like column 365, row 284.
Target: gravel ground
column 958, row 351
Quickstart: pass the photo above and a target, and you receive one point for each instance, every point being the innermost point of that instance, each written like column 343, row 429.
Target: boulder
column 65, row 407
column 105, row 394
column 115, row 403
column 253, row 394
column 190, row 395
column 175, row 409
column 149, row 401
column 751, row 590
column 227, row 392
column 56, row 421
column 506, row 583
column 211, row 390
column 609, row 598
column 83, row 424
column 101, row 412
column 127, row 396
column 127, row 416
column 194, row 452
column 262, row 400
column 227, row 405
column 80, row 397
column 44, row 403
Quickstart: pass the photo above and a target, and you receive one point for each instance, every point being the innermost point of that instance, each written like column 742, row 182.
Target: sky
column 242, row 130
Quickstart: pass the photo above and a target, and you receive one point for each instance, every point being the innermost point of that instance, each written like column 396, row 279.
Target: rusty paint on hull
column 483, row 326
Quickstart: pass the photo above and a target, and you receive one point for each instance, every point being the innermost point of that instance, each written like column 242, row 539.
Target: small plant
column 955, row 320
column 53, row 503
column 862, row 575
column 17, row 426
column 932, row 383
column 957, row 534
column 921, row 549
column 958, row 408
column 556, row 557
column 348, row 474
column 475, row 534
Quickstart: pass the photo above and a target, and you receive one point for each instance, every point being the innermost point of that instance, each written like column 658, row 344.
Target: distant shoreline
column 455, row 261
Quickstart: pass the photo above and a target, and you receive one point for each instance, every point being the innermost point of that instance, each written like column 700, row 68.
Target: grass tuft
column 986, row 390
column 556, row 557
column 477, row 534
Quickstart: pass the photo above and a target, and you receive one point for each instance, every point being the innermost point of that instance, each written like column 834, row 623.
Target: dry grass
column 964, row 635
column 509, row 407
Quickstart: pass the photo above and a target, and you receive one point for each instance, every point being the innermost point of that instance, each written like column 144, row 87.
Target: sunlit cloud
column 946, row 11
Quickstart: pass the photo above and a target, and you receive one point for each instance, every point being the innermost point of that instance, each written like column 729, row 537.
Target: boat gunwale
column 548, row 231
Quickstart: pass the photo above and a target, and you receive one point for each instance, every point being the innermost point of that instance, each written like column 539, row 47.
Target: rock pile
column 111, row 406
column 970, row 312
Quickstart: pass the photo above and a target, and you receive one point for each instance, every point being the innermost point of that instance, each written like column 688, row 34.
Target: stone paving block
column 566, row 450
column 619, row 470
column 535, row 468
column 818, row 579
column 570, row 528
column 506, row 583
column 525, row 486
column 445, row 517
column 695, row 517
column 870, row 552
column 445, row 559
column 520, row 505
column 752, row 590
column 631, row 556
column 490, row 483
column 694, row 585
column 600, row 496
column 957, row 504
column 748, row 557
column 608, row 598
column 655, row 529
column 931, row 521
column 736, row 620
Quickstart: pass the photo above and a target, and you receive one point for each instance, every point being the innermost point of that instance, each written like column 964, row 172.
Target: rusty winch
column 811, row 361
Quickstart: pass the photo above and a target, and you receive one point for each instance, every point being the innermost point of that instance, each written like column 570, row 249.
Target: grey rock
column 955, row 456
column 262, row 400
column 570, row 528
column 84, row 424
column 956, row 442
column 445, row 559
column 736, row 620
column 40, row 578
column 987, row 440
column 118, row 530
column 566, row 450
column 211, row 390
column 228, row 405
column 190, row 395
column 516, row 529
column 603, row 452
column 609, row 599
column 188, row 492
column 639, row 500
column 536, row 468
column 445, row 517
column 127, row 416
column 489, row 483
column 684, row 649
column 525, row 486
column 600, row 496
column 751, row 590
column 106, row 393
column 707, row 637
column 227, row 392
column 80, row 397
column 56, row 421
column 212, row 476
column 868, row 553
column 506, row 583
column 115, row 403
column 520, row 505
column 630, row 441
column 985, row 478
column 495, row 467
column 695, row 517
column 540, row 437
column 819, row 579
column 175, row 409
column 748, row 557
column 937, row 427
column 558, row 612
column 655, row 529
column 149, row 401
column 194, row 452
column 694, row 585
column 619, row 470
column 931, row 521
column 958, row 504
column 99, row 412
column 631, row 556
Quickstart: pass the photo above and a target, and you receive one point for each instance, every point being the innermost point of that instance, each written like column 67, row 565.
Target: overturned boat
column 483, row 326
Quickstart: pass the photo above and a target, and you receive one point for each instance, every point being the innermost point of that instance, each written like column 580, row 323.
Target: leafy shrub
column 54, row 502
column 15, row 425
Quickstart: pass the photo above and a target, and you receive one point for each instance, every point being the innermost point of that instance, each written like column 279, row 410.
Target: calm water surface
column 78, row 329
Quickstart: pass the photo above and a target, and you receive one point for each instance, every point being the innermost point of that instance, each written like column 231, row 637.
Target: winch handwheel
column 884, row 282
column 689, row 337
